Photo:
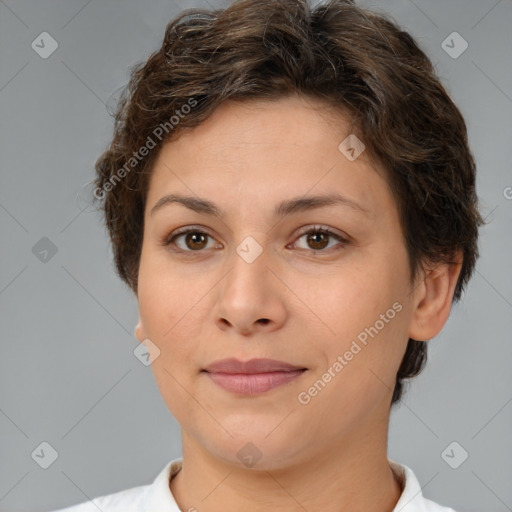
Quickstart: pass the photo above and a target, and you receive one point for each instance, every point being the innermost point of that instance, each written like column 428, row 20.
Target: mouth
column 252, row 377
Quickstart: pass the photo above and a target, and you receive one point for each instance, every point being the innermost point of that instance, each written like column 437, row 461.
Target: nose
column 250, row 298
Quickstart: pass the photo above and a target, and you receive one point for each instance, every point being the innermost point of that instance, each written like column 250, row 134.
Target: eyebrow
column 288, row 207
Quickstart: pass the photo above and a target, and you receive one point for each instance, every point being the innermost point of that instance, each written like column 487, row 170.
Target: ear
column 433, row 299
column 139, row 331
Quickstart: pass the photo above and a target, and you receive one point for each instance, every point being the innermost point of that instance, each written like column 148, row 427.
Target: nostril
column 264, row 320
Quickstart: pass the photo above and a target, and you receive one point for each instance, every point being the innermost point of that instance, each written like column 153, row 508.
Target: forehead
column 267, row 149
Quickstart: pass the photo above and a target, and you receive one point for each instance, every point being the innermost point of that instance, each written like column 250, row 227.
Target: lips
column 253, row 376
column 251, row 366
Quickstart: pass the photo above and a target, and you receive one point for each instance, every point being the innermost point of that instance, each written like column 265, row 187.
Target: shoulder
column 431, row 506
column 149, row 497
column 128, row 500
column 412, row 499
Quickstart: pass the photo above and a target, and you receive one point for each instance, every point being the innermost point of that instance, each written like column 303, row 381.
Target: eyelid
column 343, row 239
column 189, row 227
column 323, row 229
column 183, row 231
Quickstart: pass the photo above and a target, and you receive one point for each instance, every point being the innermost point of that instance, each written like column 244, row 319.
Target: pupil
column 195, row 238
column 316, row 242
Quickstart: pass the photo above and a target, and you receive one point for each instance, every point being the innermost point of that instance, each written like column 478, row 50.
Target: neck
column 353, row 475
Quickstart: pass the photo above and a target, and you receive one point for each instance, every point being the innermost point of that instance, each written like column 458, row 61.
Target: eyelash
column 315, row 229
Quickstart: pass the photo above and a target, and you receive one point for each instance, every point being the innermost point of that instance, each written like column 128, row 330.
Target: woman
column 290, row 194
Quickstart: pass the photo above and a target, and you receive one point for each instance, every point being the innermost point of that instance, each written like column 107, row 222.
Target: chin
column 258, row 446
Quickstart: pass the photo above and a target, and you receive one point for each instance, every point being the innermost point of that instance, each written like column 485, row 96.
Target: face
column 263, row 273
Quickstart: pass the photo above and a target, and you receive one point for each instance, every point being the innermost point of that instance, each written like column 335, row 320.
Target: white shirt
column 157, row 496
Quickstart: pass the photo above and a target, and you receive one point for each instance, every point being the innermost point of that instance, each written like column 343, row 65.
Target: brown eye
column 195, row 240
column 188, row 240
column 318, row 239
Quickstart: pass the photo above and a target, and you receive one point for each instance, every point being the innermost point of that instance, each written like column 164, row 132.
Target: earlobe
column 434, row 300
column 139, row 331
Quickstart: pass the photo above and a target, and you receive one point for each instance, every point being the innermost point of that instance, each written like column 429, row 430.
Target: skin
column 297, row 302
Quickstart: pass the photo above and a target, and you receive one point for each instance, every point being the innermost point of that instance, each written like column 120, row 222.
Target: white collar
column 158, row 495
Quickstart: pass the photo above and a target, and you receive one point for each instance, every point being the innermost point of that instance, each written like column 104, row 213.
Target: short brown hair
column 351, row 59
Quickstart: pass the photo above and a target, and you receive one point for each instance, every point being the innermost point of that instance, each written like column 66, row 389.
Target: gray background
column 68, row 373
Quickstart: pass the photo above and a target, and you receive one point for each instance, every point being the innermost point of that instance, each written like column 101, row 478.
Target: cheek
column 171, row 311
column 162, row 295
column 355, row 297
column 166, row 308
column 366, row 313
column 359, row 364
